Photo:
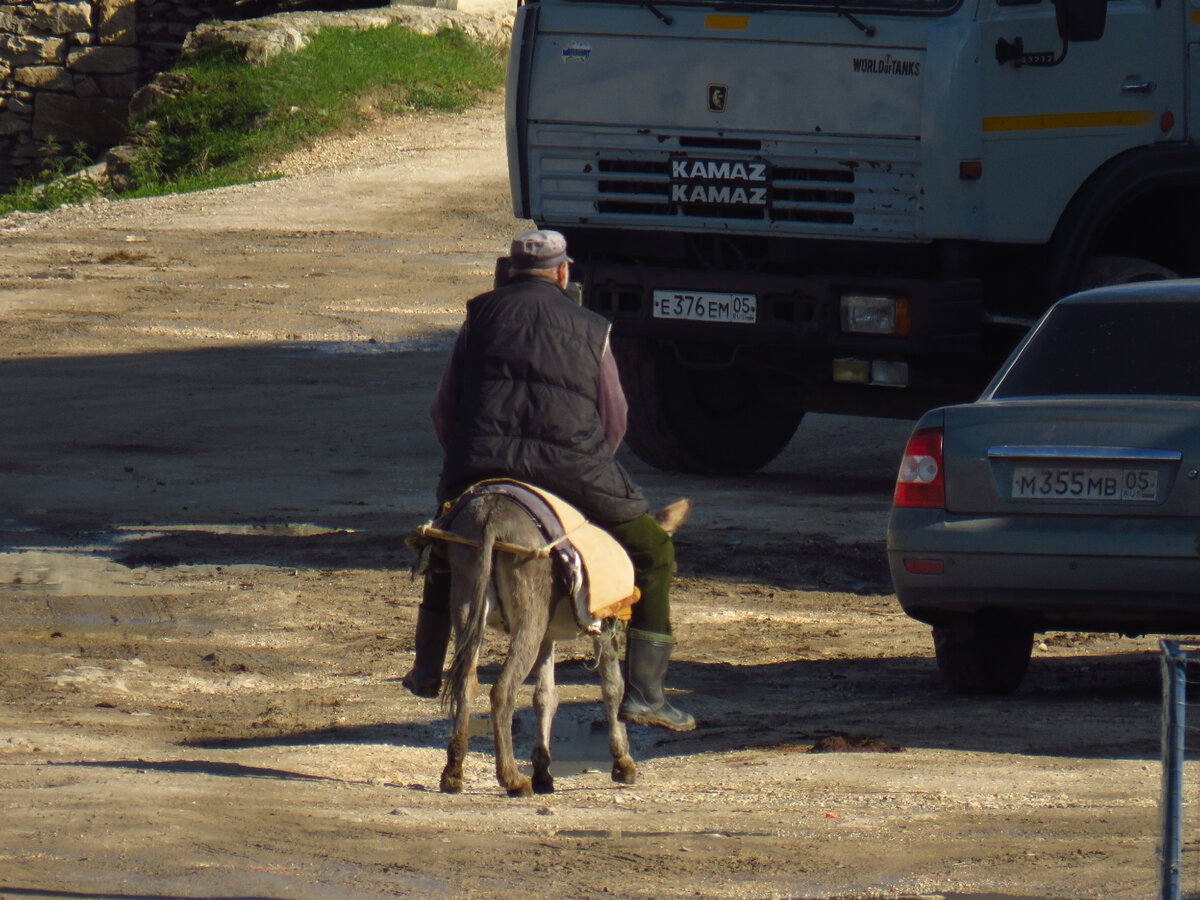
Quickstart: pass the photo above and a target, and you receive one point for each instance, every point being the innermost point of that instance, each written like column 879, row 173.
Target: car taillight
column 920, row 481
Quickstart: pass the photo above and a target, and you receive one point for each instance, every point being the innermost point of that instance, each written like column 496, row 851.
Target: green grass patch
column 63, row 179
column 232, row 119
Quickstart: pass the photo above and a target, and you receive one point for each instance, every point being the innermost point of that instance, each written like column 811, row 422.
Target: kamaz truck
column 853, row 207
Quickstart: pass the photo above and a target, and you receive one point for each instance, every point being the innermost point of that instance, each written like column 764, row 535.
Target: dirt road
column 214, row 438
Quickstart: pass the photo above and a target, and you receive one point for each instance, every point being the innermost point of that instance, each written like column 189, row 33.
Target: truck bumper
column 798, row 331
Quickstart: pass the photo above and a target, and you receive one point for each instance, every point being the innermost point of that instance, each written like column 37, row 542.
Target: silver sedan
column 1066, row 497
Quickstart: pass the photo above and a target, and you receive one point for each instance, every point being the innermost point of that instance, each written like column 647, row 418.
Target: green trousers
column 653, row 555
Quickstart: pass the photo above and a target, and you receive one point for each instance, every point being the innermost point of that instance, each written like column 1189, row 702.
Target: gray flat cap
column 538, row 250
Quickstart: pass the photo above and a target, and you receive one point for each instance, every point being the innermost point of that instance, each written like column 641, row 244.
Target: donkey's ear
column 672, row 517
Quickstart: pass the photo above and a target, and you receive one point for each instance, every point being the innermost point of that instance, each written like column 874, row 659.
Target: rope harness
column 595, row 569
column 431, row 532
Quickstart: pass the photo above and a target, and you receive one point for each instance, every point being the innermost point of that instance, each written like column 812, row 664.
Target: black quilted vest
column 528, row 408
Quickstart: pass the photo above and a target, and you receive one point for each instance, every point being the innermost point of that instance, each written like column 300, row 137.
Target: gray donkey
column 537, row 612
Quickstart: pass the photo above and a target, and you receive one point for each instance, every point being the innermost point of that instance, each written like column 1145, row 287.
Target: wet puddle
column 576, row 746
column 277, row 529
column 435, row 344
column 83, row 580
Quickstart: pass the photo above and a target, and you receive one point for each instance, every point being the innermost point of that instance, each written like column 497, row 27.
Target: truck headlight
column 874, row 314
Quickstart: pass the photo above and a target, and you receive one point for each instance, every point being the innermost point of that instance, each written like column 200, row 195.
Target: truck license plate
column 706, row 306
column 1035, row 483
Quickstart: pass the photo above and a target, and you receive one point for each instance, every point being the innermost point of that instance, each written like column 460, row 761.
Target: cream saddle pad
column 598, row 571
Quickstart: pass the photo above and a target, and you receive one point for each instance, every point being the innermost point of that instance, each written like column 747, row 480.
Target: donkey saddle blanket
column 594, row 568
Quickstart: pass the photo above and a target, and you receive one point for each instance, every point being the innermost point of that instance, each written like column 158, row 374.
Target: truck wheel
column 983, row 654
column 1105, row 270
column 713, row 422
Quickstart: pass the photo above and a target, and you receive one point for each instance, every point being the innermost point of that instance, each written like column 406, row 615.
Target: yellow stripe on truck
column 1122, row 119
column 718, row 22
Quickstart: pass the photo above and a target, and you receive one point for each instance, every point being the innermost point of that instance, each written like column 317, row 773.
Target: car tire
column 983, row 654
column 1101, row 271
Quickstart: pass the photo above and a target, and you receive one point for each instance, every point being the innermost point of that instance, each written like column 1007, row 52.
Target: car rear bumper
column 1133, row 576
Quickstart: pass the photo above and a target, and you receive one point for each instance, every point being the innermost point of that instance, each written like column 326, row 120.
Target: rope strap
column 437, row 534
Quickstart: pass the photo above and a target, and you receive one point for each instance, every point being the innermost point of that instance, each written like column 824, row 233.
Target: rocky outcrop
column 69, row 69
column 260, row 39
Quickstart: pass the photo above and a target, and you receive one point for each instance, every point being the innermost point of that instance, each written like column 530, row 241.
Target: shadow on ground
column 1077, row 707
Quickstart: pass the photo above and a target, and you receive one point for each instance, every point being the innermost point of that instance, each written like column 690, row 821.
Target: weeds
column 63, row 179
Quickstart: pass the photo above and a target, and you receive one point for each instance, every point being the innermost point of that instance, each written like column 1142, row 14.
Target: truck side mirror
column 1078, row 20
column 1081, row 20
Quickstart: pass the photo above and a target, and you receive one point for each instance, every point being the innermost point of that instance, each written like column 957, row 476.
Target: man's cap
column 538, row 250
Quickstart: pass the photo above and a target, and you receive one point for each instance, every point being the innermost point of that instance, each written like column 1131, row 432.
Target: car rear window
column 1148, row 347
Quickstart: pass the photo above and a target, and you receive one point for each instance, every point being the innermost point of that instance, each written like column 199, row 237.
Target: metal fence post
column 1174, row 678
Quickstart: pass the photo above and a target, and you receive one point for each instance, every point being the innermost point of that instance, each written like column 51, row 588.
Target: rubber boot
column 432, row 639
column 646, row 658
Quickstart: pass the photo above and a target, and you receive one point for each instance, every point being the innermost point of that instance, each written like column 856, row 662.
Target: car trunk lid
column 1097, row 456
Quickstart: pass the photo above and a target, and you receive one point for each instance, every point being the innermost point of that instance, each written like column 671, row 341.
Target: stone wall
column 67, row 71
column 68, row 68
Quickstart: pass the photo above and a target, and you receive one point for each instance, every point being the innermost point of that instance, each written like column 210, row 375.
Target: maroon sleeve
column 614, row 410
column 445, row 401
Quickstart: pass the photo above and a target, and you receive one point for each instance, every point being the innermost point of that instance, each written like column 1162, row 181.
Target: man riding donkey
column 531, row 393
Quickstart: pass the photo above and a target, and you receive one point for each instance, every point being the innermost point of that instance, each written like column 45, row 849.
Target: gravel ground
column 215, row 438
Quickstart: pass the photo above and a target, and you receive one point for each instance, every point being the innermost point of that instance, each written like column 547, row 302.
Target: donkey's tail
column 468, row 645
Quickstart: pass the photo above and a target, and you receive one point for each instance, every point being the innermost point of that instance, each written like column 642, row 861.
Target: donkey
column 491, row 586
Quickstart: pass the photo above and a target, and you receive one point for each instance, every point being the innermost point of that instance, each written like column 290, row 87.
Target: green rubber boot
column 646, row 658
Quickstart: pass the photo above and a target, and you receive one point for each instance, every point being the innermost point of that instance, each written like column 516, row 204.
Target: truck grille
column 813, row 187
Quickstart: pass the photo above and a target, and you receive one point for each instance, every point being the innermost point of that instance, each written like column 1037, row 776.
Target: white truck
column 853, row 206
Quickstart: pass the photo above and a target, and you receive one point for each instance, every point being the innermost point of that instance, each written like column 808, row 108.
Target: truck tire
column 983, row 654
column 648, row 435
column 711, row 422
column 1101, row 271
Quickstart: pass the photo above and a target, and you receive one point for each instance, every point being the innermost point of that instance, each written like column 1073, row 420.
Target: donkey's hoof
column 451, row 784
column 543, row 783
column 624, row 772
column 523, row 788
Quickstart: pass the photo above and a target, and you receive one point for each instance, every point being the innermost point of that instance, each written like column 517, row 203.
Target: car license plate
column 706, row 306
column 1036, row 483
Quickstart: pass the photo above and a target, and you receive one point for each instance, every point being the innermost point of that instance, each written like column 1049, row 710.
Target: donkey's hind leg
column 456, row 750
column 517, row 665
column 545, row 704
column 459, row 694
column 612, row 688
